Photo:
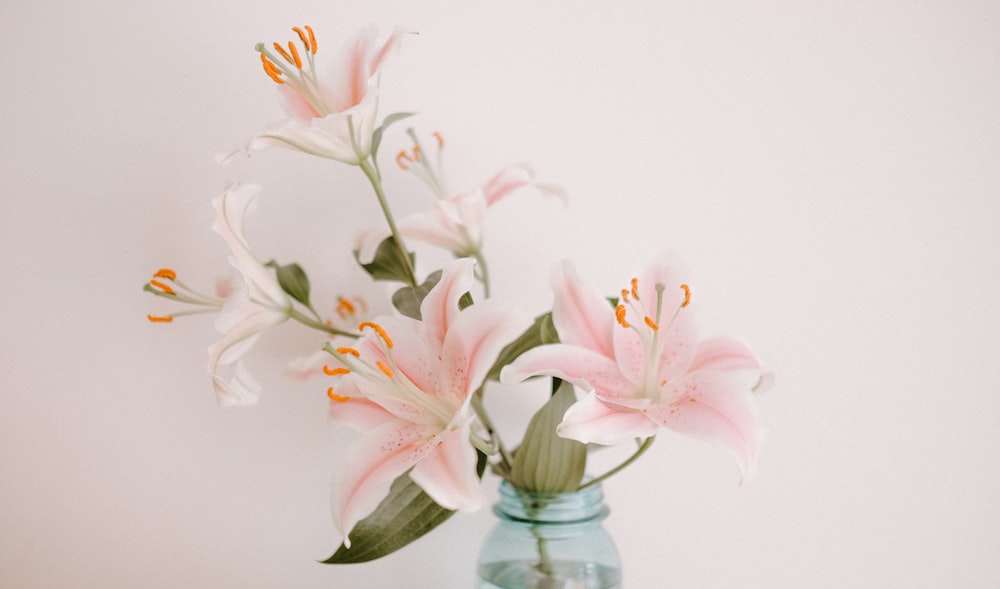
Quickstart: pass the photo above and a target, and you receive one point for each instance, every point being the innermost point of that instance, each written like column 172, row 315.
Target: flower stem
column 376, row 182
column 305, row 320
column 639, row 452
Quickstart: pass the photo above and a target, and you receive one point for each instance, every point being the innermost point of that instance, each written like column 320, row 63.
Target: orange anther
column 385, row 369
column 312, row 39
column 163, row 319
column 162, row 286
column 283, row 53
column 625, row 294
column 620, row 315
column 652, row 324
column 378, row 329
column 345, row 308
column 416, row 153
column 165, row 273
column 295, row 54
column 335, row 397
column 635, row 288
column 350, row 351
column 687, row 295
column 440, row 140
column 271, row 70
column 302, row 37
column 401, row 159
column 335, row 371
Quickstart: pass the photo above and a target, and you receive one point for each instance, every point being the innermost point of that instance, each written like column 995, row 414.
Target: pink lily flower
column 644, row 367
column 332, row 117
column 406, row 386
column 252, row 308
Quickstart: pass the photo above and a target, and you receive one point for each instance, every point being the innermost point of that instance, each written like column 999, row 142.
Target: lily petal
column 581, row 366
column 440, row 307
column 720, row 410
column 448, row 473
column 581, row 316
column 592, row 421
column 373, row 462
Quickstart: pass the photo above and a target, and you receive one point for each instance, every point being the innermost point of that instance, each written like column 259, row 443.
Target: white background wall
column 829, row 170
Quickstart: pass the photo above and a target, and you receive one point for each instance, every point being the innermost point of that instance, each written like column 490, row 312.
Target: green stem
column 639, row 452
column 376, row 182
column 477, row 405
column 305, row 320
column 484, row 273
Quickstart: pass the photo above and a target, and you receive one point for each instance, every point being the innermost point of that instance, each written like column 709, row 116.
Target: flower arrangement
column 408, row 372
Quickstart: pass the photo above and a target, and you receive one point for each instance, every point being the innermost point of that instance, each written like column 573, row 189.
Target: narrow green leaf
column 388, row 263
column 465, row 301
column 541, row 332
column 546, row 463
column 406, row 514
column 388, row 120
column 407, row 299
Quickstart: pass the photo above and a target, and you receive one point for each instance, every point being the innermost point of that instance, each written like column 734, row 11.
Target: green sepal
column 541, row 332
column 545, row 462
column 388, row 120
column 388, row 263
column 407, row 299
column 405, row 515
column 293, row 280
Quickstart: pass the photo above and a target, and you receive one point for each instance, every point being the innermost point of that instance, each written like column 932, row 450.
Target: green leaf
column 407, row 299
column 388, row 120
column 546, row 463
column 541, row 332
column 388, row 263
column 465, row 301
column 293, row 280
column 406, row 514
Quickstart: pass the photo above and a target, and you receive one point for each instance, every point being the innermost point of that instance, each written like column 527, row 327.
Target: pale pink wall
column 828, row 169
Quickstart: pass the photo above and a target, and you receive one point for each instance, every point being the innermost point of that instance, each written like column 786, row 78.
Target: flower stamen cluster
column 165, row 284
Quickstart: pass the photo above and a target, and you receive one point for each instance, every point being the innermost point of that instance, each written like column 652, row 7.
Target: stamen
column 378, row 329
column 687, row 295
column 401, row 159
column 416, row 153
column 165, row 273
column 335, row 371
column 271, row 70
column 625, row 294
column 345, row 308
column 312, row 39
column 440, row 140
column 295, row 54
column 283, row 53
column 302, row 37
column 635, row 288
column 160, row 319
column 335, row 397
column 350, row 351
column 385, row 369
column 162, row 286
column 652, row 324
column 620, row 315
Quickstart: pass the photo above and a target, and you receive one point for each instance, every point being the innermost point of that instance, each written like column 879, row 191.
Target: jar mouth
column 551, row 508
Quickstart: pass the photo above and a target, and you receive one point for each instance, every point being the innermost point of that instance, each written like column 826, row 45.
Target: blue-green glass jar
column 549, row 541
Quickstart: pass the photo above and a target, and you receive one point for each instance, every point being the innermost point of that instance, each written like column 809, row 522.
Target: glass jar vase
column 549, row 541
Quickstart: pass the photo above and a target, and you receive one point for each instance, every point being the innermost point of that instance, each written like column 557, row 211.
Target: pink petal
column 389, row 48
column 473, row 342
column 583, row 367
column 373, row 463
column 581, row 315
column 724, row 354
column 440, row 306
column 506, row 181
column 719, row 410
column 591, row 420
column 358, row 413
column 448, row 473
